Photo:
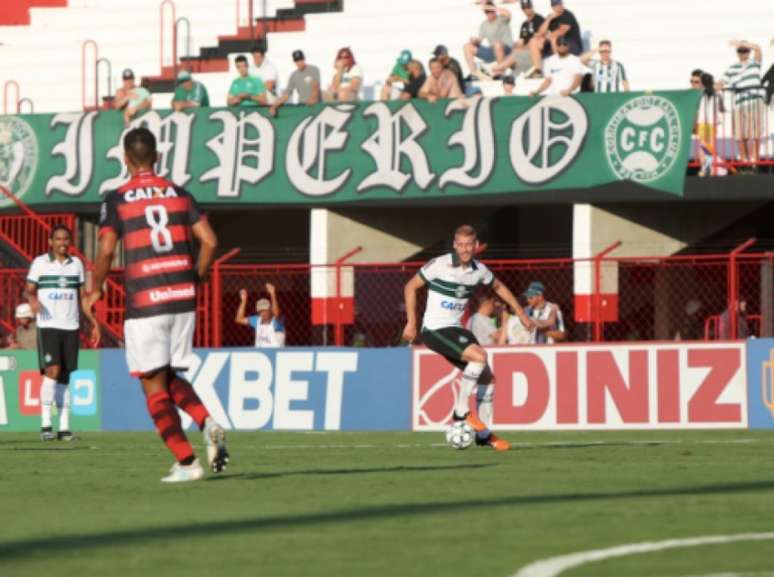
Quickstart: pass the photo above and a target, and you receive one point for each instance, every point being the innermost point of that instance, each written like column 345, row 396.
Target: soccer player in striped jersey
column 158, row 222
column 744, row 80
column 451, row 280
column 608, row 75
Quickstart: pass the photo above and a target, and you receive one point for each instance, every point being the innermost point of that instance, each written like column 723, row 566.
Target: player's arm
column 587, row 57
column 275, row 308
column 31, row 292
column 410, row 296
column 506, row 295
column 241, row 317
column 106, row 250
column 96, row 332
column 208, row 242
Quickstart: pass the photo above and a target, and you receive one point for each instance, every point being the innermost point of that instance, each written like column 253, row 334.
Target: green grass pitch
column 384, row 504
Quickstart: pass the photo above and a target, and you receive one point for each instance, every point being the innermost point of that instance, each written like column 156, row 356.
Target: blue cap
column 535, row 288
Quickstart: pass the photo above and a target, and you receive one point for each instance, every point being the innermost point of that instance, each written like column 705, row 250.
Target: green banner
column 369, row 151
column 20, row 381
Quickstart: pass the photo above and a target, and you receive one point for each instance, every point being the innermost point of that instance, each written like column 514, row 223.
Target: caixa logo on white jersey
column 285, row 390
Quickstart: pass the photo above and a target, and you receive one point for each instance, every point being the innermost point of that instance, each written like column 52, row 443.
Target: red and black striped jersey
column 154, row 217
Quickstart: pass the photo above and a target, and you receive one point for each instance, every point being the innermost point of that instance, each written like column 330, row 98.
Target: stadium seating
column 659, row 41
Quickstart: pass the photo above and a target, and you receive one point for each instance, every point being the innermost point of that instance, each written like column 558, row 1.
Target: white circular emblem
column 459, row 292
column 62, row 282
column 643, row 138
column 47, row 358
column 18, row 156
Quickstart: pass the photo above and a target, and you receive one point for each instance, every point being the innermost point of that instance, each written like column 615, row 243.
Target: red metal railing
column 660, row 298
column 84, row 78
column 163, row 26
column 113, row 289
column 29, row 237
column 6, row 89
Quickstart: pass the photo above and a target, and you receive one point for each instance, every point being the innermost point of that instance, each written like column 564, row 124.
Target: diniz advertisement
column 637, row 386
column 359, row 152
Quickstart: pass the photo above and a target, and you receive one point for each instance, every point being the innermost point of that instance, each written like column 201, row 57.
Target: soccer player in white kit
column 451, row 280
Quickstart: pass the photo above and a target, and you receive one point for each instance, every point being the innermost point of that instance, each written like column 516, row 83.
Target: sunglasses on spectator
column 742, row 50
column 695, row 82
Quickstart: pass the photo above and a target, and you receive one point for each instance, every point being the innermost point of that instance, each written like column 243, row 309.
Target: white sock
column 468, row 382
column 63, row 406
column 46, row 400
column 484, row 396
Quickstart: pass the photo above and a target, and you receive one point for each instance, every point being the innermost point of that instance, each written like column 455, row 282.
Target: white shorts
column 159, row 341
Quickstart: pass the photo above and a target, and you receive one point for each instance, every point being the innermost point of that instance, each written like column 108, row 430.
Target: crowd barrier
column 643, row 385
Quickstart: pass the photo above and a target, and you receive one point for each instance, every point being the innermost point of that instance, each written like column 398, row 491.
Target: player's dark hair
column 240, row 58
column 56, row 228
column 140, row 147
column 606, row 43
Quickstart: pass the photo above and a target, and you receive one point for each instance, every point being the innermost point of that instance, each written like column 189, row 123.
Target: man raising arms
column 157, row 221
column 451, row 280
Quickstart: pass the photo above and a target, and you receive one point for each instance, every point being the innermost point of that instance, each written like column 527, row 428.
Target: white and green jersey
column 58, row 291
column 608, row 77
column 744, row 78
column 450, row 286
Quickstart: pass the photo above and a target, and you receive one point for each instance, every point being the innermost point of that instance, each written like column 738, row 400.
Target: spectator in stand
column 417, row 78
column 494, row 41
column 26, row 334
column 269, row 330
column 399, row 77
column 562, row 72
column 742, row 322
column 189, row 93
column 483, row 323
column 440, row 84
column 347, row 78
column 547, row 316
column 710, row 115
column 691, row 326
column 509, row 83
column 560, row 23
column 264, row 69
column 521, row 58
column 131, row 98
column 305, row 82
column 449, row 63
column 608, row 75
column 744, row 80
column 246, row 90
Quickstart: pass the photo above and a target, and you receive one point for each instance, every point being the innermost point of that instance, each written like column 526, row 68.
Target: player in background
column 55, row 293
column 158, row 221
column 451, row 280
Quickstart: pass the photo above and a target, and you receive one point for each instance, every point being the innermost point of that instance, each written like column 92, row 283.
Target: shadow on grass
column 168, row 533
column 351, row 471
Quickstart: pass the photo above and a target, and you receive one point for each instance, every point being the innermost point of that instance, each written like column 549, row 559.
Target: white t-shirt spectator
column 355, row 72
column 562, row 72
column 267, row 72
column 483, row 328
column 269, row 335
column 516, row 333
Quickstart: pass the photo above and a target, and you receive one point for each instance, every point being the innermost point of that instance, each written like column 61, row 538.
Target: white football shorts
column 159, row 341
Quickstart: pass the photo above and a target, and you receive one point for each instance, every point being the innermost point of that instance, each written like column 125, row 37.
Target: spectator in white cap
column 269, row 330
column 189, row 93
column 26, row 335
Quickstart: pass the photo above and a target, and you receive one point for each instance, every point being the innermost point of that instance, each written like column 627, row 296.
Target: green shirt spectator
column 246, row 90
column 189, row 93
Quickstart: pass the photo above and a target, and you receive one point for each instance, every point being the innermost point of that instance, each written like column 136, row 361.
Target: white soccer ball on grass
column 460, row 435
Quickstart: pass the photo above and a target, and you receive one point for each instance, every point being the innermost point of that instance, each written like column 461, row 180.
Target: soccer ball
column 460, row 435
